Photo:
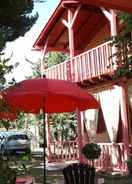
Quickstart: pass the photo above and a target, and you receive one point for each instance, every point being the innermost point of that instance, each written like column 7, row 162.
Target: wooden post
column 80, row 141
column 113, row 23
column 71, row 34
column 69, row 24
column 111, row 16
column 124, row 116
column 42, row 59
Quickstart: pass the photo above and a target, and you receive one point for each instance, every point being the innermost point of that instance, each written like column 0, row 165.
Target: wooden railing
column 67, row 150
column 113, row 158
column 112, row 155
column 90, row 64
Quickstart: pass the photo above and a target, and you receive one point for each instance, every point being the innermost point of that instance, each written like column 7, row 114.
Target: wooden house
column 82, row 28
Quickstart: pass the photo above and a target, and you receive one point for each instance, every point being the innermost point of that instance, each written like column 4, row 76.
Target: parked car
column 14, row 142
column 2, row 137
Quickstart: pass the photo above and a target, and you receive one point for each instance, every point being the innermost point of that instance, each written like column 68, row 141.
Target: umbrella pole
column 44, row 131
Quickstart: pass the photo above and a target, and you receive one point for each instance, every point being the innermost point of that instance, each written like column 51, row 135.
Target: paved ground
column 53, row 170
column 54, row 174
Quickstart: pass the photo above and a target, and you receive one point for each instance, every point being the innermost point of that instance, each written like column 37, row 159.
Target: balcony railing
column 93, row 63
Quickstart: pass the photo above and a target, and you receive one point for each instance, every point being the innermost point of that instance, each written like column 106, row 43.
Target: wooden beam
column 124, row 115
column 123, row 5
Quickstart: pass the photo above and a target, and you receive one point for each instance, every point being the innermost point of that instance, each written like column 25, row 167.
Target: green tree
column 127, row 18
column 5, row 68
column 63, row 127
column 15, row 19
column 54, row 58
column 123, row 44
column 5, row 123
column 21, row 119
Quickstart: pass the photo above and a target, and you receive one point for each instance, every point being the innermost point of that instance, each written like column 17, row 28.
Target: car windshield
column 18, row 137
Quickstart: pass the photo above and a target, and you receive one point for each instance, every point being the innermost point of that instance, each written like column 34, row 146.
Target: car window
column 22, row 137
column 18, row 137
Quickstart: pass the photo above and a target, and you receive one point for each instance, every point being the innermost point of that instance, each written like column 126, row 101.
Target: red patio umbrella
column 52, row 96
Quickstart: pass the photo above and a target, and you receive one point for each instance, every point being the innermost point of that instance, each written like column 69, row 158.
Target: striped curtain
column 110, row 101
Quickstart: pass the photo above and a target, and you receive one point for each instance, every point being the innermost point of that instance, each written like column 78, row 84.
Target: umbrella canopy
column 53, row 96
column 50, row 95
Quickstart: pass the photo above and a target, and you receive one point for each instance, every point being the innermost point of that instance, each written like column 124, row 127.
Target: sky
column 21, row 48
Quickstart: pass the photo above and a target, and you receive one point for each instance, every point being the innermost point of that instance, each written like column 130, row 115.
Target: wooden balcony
column 92, row 65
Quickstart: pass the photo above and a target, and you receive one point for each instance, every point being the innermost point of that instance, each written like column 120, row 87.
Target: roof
column 89, row 21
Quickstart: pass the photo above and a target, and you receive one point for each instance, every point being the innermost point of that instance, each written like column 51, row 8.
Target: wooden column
column 113, row 23
column 71, row 33
column 80, row 141
column 48, row 136
column 69, row 24
column 111, row 16
column 124, row 116
column 42, row 59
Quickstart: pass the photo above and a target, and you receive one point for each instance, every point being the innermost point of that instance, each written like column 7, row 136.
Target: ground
column 54, row 173
column 35, row 168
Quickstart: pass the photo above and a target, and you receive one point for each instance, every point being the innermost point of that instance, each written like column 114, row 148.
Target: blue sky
column 21, row 47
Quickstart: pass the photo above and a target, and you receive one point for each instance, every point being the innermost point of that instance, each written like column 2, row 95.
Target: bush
column 91, row 151
column 129, row 164
column 7, row 174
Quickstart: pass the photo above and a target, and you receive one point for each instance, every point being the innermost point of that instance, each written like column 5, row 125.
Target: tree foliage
column 4, row 69
column 5, row 123
column 127, row 18
column 123, row 56
column 15, row 19
column 123, row 47
column 63, row 126
column 54, row 58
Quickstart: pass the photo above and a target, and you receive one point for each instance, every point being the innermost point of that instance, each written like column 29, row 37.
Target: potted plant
column 91, row 151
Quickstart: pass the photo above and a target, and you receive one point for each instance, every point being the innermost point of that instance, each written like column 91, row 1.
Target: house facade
column 83, row 30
